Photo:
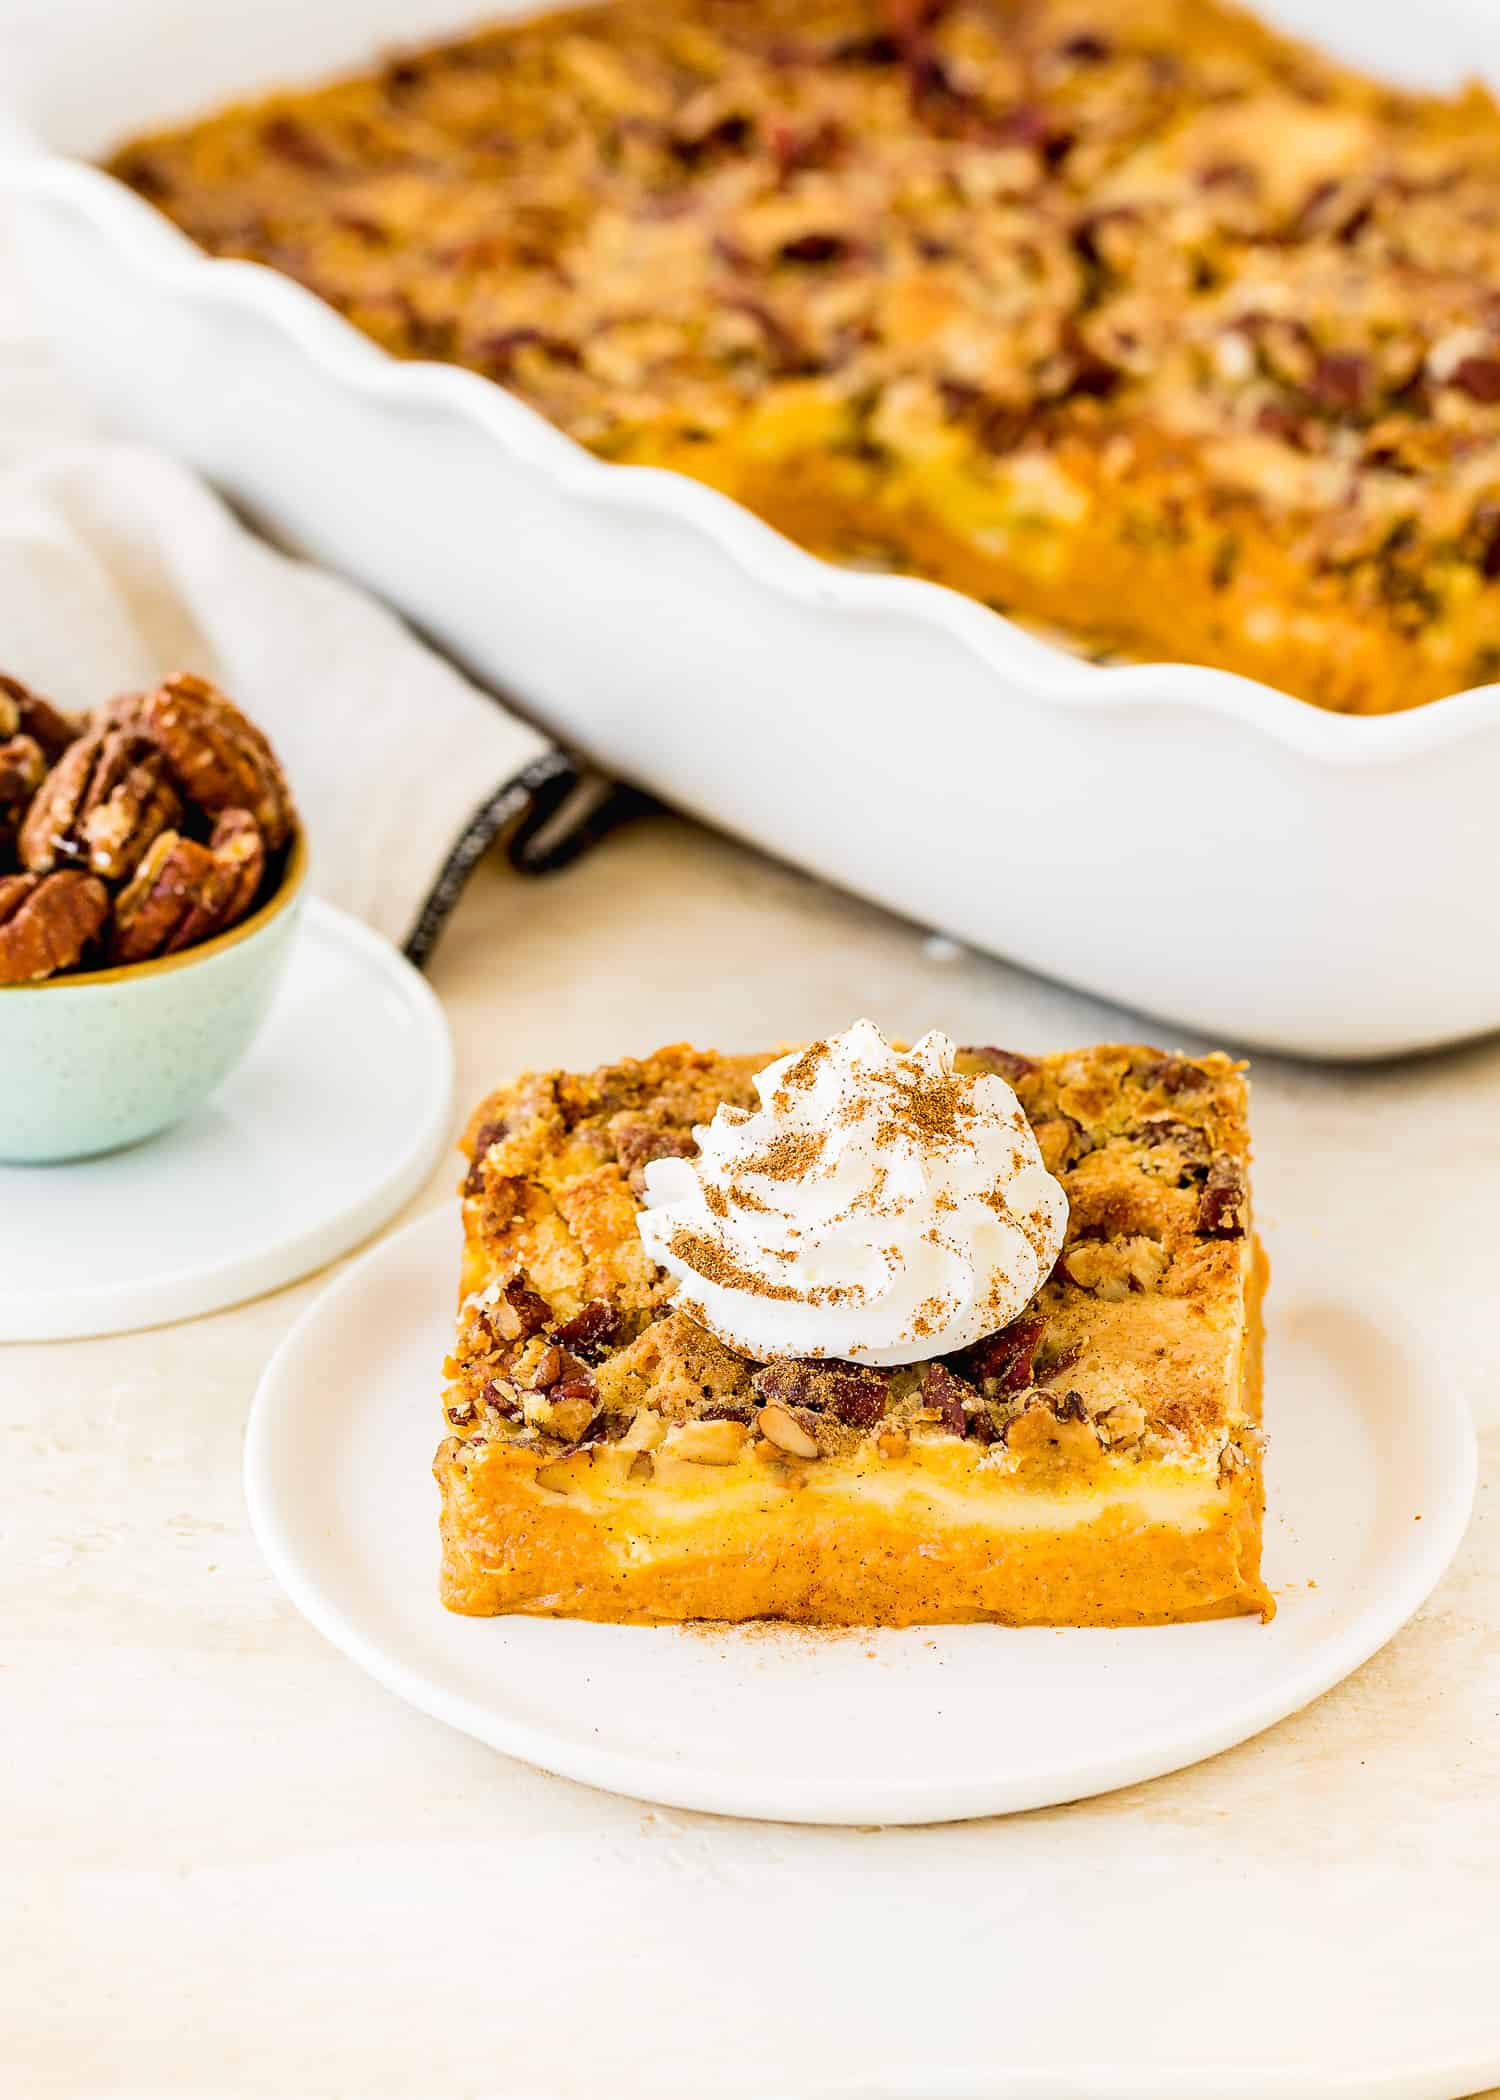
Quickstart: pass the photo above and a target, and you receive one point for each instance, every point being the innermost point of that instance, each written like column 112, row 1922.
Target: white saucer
column 332, row 1121
column 1371, row 1478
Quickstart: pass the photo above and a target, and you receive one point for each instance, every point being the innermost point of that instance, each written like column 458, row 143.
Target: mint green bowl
column 94, row 1062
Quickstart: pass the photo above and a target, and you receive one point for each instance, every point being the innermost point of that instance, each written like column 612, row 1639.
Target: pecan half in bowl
column 101, row 1058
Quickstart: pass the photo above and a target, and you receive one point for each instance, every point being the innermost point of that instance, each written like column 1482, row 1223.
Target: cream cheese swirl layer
column 878, row 1206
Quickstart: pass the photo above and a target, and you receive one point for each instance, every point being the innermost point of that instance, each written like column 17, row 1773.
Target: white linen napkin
column 117, row 567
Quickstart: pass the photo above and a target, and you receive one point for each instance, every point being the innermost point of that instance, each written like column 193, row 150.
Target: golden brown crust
column 613, row 1459
column 1052, row 300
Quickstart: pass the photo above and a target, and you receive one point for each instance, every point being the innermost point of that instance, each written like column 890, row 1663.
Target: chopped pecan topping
column 608, row 1426
column 1186, row 1138
column 558, row 1414
column 1224, row 1205
column 499, row 1395
column 848, row 1392
column 547, row 1368
column 589, row 1333
column 517, row 1312
column 1047, row 1425
column 48, row 922
column 1112, row 1269
column 815, row 248
column 779, row 1426
column 1342, row 382
column 487, row 1134
column 944, row 1395
column 1008, row 1064
column 1052, row 226
column 1174, row 1075
column 1003, row 1362
column 1052, row 1367
column 1478, row 377
column 638, row 1142
column 579, row 1387
column 1124, row 1424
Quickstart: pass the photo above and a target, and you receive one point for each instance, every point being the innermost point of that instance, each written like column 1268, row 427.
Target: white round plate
column 334, row 1119
column 1371, row 1478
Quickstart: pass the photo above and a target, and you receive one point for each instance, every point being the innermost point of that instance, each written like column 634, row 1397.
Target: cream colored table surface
column 232, row 1865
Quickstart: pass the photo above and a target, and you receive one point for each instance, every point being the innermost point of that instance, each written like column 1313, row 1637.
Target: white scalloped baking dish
column 1179, row 839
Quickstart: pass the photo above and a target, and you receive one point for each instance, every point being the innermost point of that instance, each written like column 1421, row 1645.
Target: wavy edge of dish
column 1033, row 669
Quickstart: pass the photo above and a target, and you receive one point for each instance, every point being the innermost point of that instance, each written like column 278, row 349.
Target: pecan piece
column 50, row 831
column 1341, row 382
column 638, row 1142
column 1061, row 1428
column 1478, row 377
column 1005, row 1359
column 816, row 248
column 944, row 1395
column 487, row 1134
column 239, row 846
column 104, row 802
column 518, row 1312
column 589, row 1333
column 131, row 802
column 1174, row 1075
column 857, row 1397
column 1007, row 1064
column 23, row 767
column 1224, row 1205
column 779, row 1426
column 846, row 1391
column 22, row 770
column 499, row 1394
column 1187, row 1139
column 787, row 1382
column 25, row 713
column 47, row 921
column 220, row 759
column 547, row 1369
column 183, row 893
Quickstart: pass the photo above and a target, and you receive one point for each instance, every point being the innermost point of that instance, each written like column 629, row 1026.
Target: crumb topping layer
column 569, row 1334
column 1011, row 277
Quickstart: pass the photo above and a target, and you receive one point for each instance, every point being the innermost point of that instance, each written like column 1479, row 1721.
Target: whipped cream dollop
column 879, row 1205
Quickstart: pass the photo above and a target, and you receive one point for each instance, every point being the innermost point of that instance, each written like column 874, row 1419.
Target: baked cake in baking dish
column 864, row 1336
column 1129, row 317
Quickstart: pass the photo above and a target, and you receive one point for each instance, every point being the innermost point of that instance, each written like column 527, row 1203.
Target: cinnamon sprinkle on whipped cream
column 878, row 1206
